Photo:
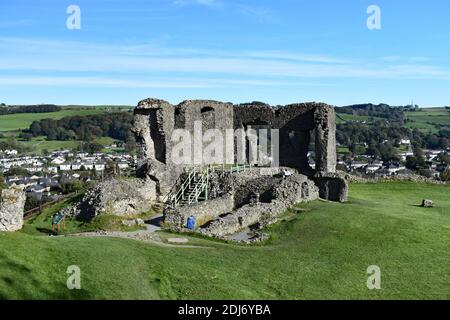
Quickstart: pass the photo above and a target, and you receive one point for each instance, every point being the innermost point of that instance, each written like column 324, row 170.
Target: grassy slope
column 322, row 253
column 350, row 117
column 426, row 119
column 38, row 144
column 19, row 121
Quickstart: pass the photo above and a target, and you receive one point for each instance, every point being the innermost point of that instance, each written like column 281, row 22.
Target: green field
column 342, row 117
column 20, row 121
column 321, row 253
column 37, row 145
column 425, row 119
column 428, row 119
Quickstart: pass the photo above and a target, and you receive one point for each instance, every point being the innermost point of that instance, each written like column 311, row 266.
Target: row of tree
column 373, row 134
column 41, row 108
column 394, row 114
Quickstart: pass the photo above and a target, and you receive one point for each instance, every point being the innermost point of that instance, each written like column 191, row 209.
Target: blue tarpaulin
column 191, row 223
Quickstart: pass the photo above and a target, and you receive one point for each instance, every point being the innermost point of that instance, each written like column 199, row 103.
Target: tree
column 444, row 158
column 16, row 171
column 90, row 147
column 27, row 136
column 71, row 186
column 32, row 203
column 445, row 176
column 415, row 163
column 388, row 152
column 372, row 150
column 357, row 149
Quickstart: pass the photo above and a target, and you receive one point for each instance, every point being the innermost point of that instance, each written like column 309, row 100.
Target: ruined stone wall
column 325, row 140
column 203, row 211
column 332, row 186
column 239, row 208
column 156, row 119
column 120, row 197
column 294, row 189
column 12, row 203
column 154, row 122
column 296, row 122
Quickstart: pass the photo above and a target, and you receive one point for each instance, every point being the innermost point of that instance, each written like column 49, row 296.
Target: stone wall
column 155, row 120
column 121, row 197
column 203, row 211
column 242, row 207
column 12, row 203
column 294, row 189
column 332, row 186
column 296, row 123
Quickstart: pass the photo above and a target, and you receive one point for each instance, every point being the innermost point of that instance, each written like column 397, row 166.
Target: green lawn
column 322, row 253
column 342, row 150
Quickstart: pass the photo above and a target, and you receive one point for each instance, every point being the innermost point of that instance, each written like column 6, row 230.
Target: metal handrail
column 200, row 179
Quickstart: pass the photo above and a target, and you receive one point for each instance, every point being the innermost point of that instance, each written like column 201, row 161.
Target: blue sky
column 231, row 50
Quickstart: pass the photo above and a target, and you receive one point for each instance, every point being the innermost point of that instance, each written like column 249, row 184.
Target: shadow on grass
column 421, row 206
column 46, row 231
column 19, row 281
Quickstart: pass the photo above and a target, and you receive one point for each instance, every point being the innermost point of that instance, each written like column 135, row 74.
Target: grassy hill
column 428, row 119
column 20, row 121
column 321, row 253
column 425, row 119
column 12, row 124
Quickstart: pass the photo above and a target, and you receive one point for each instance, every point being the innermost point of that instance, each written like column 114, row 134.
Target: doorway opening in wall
column 208, row 118
column 302, row 145
column 258, row 143
column 178, row 119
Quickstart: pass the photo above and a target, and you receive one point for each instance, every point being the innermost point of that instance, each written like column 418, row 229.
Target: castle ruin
column 230, row 204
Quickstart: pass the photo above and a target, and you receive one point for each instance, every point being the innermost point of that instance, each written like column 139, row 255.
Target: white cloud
column 208, row 3
column 142, row 83
column 188, row 66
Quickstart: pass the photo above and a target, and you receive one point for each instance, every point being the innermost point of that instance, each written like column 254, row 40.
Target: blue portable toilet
column 191, row 223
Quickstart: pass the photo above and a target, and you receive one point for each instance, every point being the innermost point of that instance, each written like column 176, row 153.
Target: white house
column 76, row 166
column 123, row 165
column 99, row 166
column 405, row 141
column 403, row 155
column 58, row 160
column 65, row 167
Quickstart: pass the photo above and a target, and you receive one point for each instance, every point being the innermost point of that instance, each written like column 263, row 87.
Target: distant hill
column 385, row 111
column 40, row 108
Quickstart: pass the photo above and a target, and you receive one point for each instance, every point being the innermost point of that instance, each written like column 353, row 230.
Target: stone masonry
column 12, row 203
column 155, row 120
column 240, row 200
